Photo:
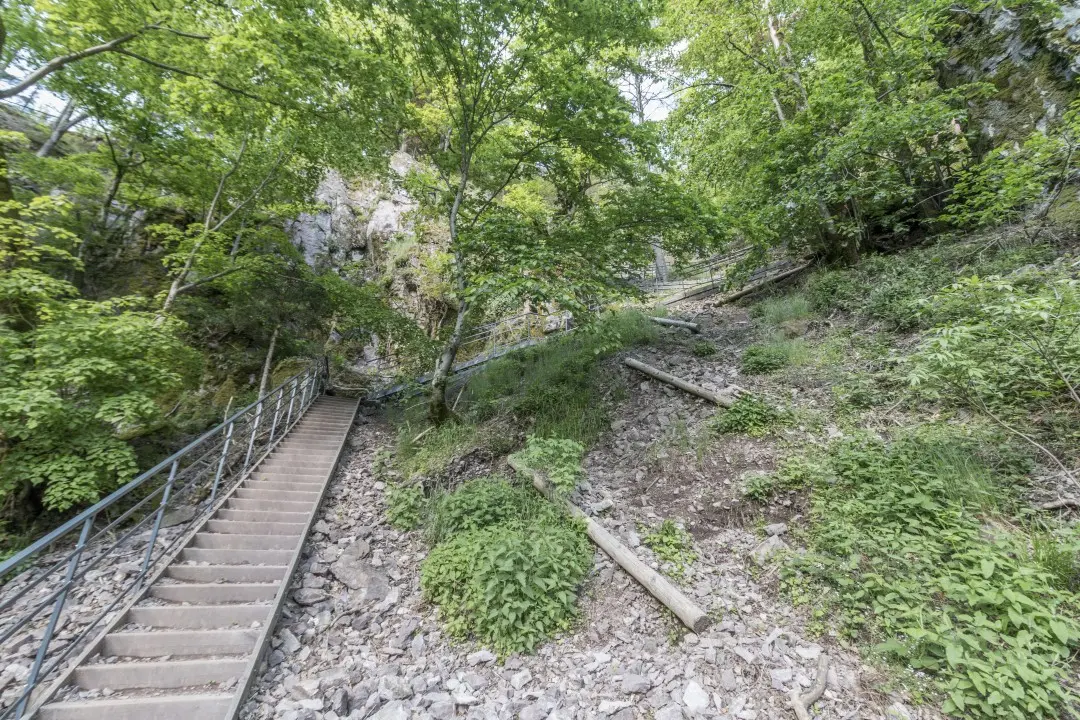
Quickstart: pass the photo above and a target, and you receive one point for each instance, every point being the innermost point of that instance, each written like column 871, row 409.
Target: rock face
column 357, row 216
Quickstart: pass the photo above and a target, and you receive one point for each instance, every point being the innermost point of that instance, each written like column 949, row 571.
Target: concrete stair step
column 255, row 528
column 260, row 516
column 198, row 617
column 314, row 478
column 272, row 486
column 157, row 643
column 271, row 505
column 169, row 707
column 297, row 469
column 232, row 541
column 216, row 593
column 227, row 573
column 169, row 674
column 245, row 493
column 230, row 556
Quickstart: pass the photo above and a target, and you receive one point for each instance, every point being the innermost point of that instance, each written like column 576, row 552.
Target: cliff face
column 360, row 216
column 1032, row 61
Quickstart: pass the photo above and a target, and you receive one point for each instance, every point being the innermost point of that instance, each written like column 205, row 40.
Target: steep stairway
column 188, row 648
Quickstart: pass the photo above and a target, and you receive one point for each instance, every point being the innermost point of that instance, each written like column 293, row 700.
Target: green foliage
column 672, row 545
column 782, row 308
column 558, row 459
column 1003, row 342
column 703, row 348
column 899, row 540
column 770, row 356
column 485, row 502
column 405, row 505
column 749, row 415
column 78, row 379
column 430, row 451
column 507, row 565
column 795, row 473
column 558, row 389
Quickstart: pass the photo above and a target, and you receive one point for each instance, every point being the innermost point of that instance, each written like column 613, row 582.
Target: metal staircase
column 181, row 641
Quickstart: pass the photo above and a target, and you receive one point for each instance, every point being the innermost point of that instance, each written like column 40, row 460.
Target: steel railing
column 702, row 272
column 59, row 590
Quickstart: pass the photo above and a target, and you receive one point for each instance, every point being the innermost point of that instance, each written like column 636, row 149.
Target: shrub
column 761, row 359
column 559, row 460
column 404, row 505
column 783, row 308
column 484, row 502
column 511, row 585
column 703, row 348
column 672, row 545
column 750, row 415
column 911, row 562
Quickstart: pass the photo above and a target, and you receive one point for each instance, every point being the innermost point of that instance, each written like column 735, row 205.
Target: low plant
column 783, row 308
column 795, row 473
column 429, row 451
column 404, row 505
column 511, row 585
column 703, row 348
column 773, row 354
column 749, row 415
column 672, row 546
column 483, row 502
column 558, row 459
column 914, row 564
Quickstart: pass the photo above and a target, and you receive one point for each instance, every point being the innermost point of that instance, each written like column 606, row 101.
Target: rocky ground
column 356, row 640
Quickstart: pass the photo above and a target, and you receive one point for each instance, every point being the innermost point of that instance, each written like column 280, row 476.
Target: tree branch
column 56, row 63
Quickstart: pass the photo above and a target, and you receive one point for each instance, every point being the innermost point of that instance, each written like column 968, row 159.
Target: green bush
column 510, row 586
column 750, row 415
column 672, row 545
column 782, row 308
column 761, row 359
column 559, row 460
column 911, row 562
column 483, row 502
column 703, row 348
column 794, row 473
column 405, row 505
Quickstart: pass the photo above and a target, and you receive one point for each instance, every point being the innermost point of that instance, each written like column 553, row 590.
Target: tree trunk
column 660, row 260
column 64, row 122
column 269, row 362
column 438, row 411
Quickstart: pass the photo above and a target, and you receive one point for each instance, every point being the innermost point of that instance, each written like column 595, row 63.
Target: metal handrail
column 33, row 602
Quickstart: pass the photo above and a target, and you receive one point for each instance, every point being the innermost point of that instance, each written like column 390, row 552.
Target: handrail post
column 292, row 399
column 54, row 618
column 277, row 415
column 251, row 440
column 221, row 462
column 160, row 515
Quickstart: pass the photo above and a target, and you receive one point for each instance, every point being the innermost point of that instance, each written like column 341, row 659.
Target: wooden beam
column 751, row 289
column 725, row 401
column 692, row 327
column 660, row 587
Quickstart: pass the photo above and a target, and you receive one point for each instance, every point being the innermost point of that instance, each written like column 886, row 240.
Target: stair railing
column 59, row 590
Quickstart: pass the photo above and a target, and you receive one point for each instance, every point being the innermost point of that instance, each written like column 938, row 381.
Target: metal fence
column 60, row 590
column 702, row 272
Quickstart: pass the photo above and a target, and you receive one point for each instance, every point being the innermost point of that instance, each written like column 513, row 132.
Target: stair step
column 260, row 516
column 297, row 469
column 169, row 707
column 319, row 478
column 180, row 642
column 227, row 573
column 244, row 493
column 229, row 556
column 198, row 617
column 160, row 675
column 272, row 486
column 227, row 541
column 215, row 593
column 271, row 505
column 256, row 528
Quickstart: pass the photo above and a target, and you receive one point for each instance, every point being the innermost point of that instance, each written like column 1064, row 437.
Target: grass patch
column 429, row 451
column 780, row 309
column 749, row 415
column 703, row 348
column 772, row 355
column 557, row 389
column 673, row 547
column 911, row 557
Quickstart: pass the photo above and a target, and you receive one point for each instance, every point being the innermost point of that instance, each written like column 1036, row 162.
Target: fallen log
column 751, row 289
column 725, row 401
column 692, row 327
column 673, row 599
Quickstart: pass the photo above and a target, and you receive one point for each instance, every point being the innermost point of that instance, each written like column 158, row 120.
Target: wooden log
column 670, row 379
column 750, row 290
column 692, row 327
column 673, row 599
